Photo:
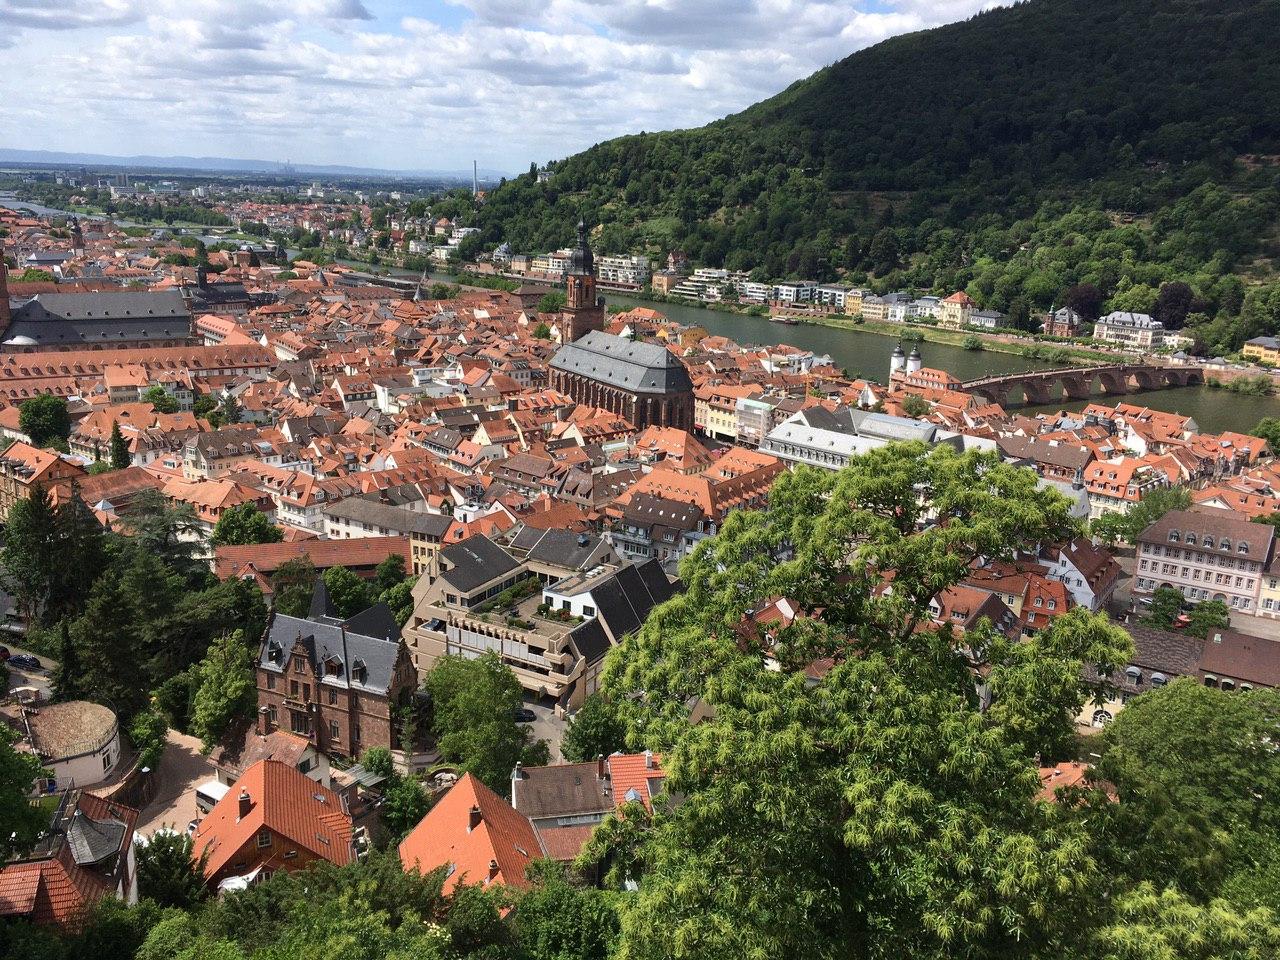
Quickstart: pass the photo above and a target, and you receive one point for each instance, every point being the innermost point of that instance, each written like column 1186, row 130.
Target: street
column 41, row 679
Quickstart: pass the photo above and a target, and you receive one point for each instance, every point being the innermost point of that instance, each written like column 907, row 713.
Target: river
column 866, row 355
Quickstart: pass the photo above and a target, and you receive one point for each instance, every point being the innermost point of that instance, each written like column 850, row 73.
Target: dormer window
column 1225, row 544
column 359, row 671
column 1174, row 536
column 1243, row 548
column 1191, row 540
column 274, row 652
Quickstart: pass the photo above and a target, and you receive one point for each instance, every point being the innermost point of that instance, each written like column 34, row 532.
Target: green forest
column 1054, row 144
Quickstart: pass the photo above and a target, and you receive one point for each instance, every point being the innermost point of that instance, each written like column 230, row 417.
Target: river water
column 866, row 355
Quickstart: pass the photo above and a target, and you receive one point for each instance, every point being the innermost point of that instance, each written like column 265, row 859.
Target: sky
column 409, row 84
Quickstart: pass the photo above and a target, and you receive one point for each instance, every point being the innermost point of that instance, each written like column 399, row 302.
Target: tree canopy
column 245, row 524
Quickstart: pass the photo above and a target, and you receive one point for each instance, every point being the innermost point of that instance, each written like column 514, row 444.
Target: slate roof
column 475, row 561
column 1219, row 525
column 101, row 318
column 560, row 548
column 617, row 362
column 562, row 790
column 335, row 640
column 377, row 514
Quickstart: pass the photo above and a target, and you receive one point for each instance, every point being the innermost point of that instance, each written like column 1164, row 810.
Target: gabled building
column 85, row 856
column 273, row 818
column 479, row 838
column 338, row 683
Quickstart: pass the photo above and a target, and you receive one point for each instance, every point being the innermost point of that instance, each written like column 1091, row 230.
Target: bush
column 147, row 734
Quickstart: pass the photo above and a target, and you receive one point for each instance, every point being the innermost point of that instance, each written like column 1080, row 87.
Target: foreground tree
column 20, row 821
column 167, row 871
column 474, row 704
column 120, row 456
column 876, row 811
column 245, row 524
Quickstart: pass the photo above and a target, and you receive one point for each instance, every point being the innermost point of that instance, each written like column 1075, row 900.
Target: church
column 643, row 382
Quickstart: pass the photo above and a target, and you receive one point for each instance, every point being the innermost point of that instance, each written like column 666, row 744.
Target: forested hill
column 1125, row 143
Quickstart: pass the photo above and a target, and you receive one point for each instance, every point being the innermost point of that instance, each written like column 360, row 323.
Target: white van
column 209, row 793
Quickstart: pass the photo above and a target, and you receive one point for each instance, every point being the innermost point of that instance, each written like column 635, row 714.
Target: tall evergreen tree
column 67, row 681
column 120, row 457
column 31, row 557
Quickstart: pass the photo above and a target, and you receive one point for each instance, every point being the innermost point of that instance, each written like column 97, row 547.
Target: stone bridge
column 1077, row 383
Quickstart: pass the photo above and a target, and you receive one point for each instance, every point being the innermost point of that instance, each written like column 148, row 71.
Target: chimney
column 602, row 767
column 493, row 869
column 245, row 805
column 648, row 759
column 473, row 819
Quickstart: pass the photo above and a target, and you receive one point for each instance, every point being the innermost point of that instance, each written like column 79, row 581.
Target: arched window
column 1101, row 718
column 1210, row 680
column 1228, row 684
column 1191, row 540
column 1225, row 544
column 1134, row 674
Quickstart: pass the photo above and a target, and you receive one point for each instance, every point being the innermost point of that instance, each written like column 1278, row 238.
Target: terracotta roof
column 281, row 800
column 269, row 557
column 635, row 776
column 496, row 849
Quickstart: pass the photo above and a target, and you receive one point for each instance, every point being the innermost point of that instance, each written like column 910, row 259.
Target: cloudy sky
column 409, row 84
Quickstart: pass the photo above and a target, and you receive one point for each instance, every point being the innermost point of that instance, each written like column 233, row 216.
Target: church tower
column 583, row 310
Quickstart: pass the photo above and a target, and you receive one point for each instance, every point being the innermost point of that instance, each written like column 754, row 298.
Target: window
column 271, row 715
column 264, row 838
column 333, row 697
column 334, row 732
column 293, row 688
column 271, row 681
column 1173, row 536
column 298, row 665
column 1053, row 604
column 1243, row 548
column 1190, row 540
column 1224, row 544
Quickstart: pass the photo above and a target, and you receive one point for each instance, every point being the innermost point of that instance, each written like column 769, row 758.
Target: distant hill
column 1129, row 142
column 225, row 165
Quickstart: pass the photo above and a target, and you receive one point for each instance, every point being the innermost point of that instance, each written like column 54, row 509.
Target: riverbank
column 991, row 342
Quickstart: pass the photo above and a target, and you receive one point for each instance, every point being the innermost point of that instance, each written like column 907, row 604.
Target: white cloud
column 505, row 81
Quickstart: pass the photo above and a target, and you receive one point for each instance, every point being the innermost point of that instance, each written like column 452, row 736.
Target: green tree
column 388, row 573
column 168, row 872
column 20, row 821
column 245, row 524
column 292, row 586
column 1268, row 428
column 542, row 332
column 108, row 643
column 160, row 399
column 556, row 919
column 400, row 599
column 1166, row 607
column 31, row 555
column 45, row 420
column 67, row 680
column 147, row 732
column 1036, row 685
column 120, row 456
column 595, row 730
column 171, row 533
column 203, row 405
column 348, row 591
column 1208, row 616
column 474, row 703
column 888, row 814
column 915, row 406
column 227, row 691
column 404, row 805
column 1195, row 770
column 551, row 302
column 1152, row 924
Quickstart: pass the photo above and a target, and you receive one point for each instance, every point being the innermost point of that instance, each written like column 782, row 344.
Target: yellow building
column 1263, row 350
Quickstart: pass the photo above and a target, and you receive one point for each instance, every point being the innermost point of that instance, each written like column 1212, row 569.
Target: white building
column 1136, row 330
column 620, row 269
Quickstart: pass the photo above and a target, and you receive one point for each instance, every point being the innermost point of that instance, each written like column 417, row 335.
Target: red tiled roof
column 284, row 801
column 497, row 850
column 635, row 771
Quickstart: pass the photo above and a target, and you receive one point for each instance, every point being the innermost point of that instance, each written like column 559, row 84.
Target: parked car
column 525, row 715
column 25, row 661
